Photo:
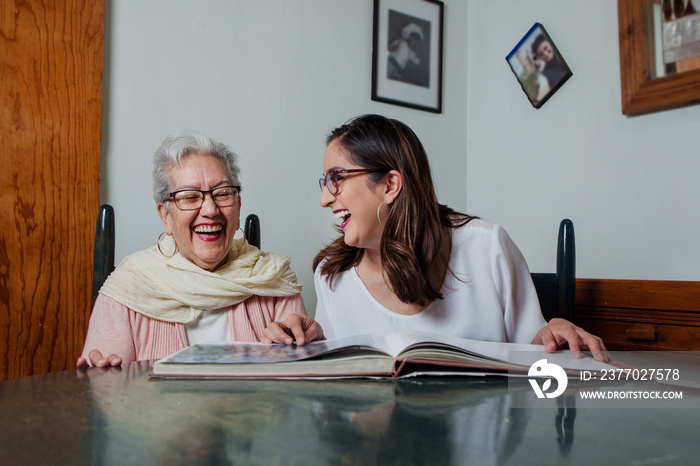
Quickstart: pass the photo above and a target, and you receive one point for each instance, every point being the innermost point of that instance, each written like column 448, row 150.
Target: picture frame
column 407, row 53
column 539, row 67
column 640, row 92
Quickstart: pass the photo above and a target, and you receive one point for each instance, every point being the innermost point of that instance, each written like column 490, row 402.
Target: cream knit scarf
column 176, row 290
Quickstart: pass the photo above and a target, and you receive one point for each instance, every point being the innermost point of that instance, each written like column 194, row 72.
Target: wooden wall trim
column 640, row 314
column 638, row 294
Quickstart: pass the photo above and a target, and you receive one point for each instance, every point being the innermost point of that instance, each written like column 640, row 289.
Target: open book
column 402, row 354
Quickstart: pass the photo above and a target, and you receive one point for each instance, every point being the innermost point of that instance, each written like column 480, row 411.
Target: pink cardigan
column 116, row 329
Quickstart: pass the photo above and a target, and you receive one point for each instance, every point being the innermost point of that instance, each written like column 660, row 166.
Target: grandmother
column 197, row 284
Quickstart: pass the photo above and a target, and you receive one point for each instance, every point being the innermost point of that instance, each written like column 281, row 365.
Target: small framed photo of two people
column 538, row 65
column 407, row 53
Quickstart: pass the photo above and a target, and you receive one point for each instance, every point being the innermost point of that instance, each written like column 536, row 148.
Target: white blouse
column 488, row 295
column 209, row 327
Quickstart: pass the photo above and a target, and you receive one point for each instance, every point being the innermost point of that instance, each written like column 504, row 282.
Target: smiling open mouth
column 208, row 230
column 344, row 216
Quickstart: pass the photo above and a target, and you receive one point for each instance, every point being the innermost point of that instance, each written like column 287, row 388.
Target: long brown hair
column 412, row 234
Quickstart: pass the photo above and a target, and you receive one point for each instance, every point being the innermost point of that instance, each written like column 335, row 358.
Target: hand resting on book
column 295, row 329
column 560, row 332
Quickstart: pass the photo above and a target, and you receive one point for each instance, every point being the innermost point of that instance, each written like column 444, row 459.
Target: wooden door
column 51, row 56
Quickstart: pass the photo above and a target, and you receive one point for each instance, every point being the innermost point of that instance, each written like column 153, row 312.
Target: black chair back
column 556, row 291
column 252, row 230
column 103, row 259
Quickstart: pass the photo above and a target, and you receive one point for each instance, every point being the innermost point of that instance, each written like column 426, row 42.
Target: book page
column 376, row 342
column 512, row 353
column 402, row 341
column 241, row 352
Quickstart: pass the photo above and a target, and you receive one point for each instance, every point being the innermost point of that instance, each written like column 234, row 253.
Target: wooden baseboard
column 640, row 314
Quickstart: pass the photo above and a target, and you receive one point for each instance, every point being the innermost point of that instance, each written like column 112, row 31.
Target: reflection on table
column 119, row 416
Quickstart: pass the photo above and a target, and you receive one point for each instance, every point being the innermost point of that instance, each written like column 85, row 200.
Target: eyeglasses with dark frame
column 192, row 199
column 332, row 177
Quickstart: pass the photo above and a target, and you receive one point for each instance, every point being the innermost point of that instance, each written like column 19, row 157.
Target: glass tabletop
column 119, row 416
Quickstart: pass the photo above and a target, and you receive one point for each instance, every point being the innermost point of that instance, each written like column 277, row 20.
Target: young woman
column 404, row 261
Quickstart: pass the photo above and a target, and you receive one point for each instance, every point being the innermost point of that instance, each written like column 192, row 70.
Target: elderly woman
column 404, row 261
column 198, row 283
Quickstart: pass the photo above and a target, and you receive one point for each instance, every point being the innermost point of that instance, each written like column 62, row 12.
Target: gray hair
column 178, row 146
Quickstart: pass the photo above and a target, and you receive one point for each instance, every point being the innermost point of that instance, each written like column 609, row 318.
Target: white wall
column 270, row 78
column 630, row 185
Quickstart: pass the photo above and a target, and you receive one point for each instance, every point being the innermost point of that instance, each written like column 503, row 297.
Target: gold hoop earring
column 161, row 251
column 243, row 232
column 378, row 217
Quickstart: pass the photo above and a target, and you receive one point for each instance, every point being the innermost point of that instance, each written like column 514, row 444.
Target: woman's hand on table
column 559, row 333
column 296, row 328
column 97, row 360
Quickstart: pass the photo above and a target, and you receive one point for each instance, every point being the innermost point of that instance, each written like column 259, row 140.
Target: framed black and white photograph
column 407, row 53
column 538, row 65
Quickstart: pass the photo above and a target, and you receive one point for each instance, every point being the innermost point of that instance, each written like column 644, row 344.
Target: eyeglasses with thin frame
column 332, row 177
column 192, row 199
